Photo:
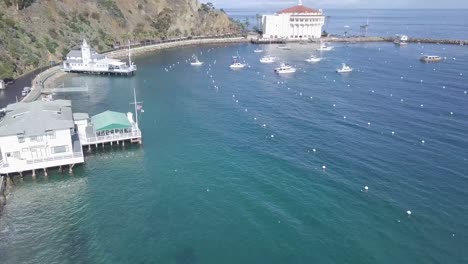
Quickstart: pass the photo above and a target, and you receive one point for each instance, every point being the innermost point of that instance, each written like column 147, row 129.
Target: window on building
column 20, row 139
column 59, row 149
column 51, row 134
column 36, row 138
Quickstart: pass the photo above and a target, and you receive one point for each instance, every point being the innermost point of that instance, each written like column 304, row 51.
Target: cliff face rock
column 39, row 31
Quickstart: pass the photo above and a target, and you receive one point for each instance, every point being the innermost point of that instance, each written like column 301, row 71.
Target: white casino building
column 294, row 23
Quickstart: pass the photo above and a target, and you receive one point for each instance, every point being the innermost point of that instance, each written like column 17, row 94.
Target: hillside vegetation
column 35, row 32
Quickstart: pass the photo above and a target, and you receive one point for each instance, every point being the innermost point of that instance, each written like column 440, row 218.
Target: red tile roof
column 298, row 9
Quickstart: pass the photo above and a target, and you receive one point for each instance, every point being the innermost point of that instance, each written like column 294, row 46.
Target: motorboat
column 344, row 69
column 285, row 68
column 401, row 40
column 430, row 58
column 196, row 62
column 259, row 50
column 313, row 59
column 267, row 59
column 324, row 47
column 236, row 64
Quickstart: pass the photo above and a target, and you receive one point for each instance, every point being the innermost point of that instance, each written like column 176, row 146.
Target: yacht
column 267, row 59
column 258, row 50
column 313, row 59
column 236, row 64
column 324, row 47
column 284, row 68
column 431, row 58
column 196, row 62
column 344, row 69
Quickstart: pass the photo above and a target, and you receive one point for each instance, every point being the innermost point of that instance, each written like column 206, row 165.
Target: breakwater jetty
column 356, row 39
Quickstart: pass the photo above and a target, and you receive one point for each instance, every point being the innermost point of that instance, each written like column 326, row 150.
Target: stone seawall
column 160, row 46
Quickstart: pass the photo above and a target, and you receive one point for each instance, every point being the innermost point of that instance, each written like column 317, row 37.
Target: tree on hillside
column 19, row 4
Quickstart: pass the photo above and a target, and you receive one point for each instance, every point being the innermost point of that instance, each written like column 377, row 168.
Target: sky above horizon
column 260, row 5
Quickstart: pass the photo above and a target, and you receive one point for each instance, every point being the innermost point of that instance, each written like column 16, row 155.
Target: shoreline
column 52, row 73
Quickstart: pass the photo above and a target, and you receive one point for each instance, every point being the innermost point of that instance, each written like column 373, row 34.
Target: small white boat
column 324, row 47
column 313, row 59
column 430, row 58
column 401, row 40
column 259, row 50
column 196, row 62
column 285, row 68
column 344, row 69
column 236, row 64
column 267, row 59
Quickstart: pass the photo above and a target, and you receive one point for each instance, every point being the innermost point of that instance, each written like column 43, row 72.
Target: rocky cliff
column 35, row 32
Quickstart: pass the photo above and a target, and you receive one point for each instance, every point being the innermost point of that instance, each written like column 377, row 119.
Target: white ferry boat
column 430, row 58
column 285, row 68
column 236, row 64
column 324, row 47
column 196, row 62
column 267, row 59
column 87, row 60
column 344, row 69
column 313, row 59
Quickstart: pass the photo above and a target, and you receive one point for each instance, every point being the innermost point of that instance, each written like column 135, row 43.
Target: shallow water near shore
column 228, row 173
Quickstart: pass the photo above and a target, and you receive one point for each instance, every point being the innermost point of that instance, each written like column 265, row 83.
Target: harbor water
column 231, row 166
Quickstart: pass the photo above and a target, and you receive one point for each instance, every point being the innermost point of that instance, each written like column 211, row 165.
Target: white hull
column 285, row 71
column 237, row 66
column 313, row 60
column 196, row 63
column 344, row 71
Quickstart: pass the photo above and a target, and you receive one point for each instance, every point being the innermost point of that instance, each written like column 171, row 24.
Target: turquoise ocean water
column 212, row 184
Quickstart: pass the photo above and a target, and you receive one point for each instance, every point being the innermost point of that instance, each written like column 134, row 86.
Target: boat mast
column 136, row 108
column 129, row 55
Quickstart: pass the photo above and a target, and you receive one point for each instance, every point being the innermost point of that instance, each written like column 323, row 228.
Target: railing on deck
column 114, row 137
column 54, row 158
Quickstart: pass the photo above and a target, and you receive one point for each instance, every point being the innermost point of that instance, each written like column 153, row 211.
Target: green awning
column 110, row 120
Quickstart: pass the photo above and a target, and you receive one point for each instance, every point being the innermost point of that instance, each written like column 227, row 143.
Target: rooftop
column 35, row 118
column 110, row 120
column 299, row 9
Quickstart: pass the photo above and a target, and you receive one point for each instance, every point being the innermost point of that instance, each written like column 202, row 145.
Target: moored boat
column 344, row 69
column 285, row 68
column 267, row 59
column 430, row 58
column 313, row 59
column 236, row 64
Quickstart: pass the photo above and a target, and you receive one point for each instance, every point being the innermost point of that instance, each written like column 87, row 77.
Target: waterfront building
column 107, row 127
column 295, row 23
column 38, row 135
column 87, row 60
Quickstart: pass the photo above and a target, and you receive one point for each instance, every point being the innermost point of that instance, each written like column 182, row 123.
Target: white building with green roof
column 108, row 127
column 38, row 135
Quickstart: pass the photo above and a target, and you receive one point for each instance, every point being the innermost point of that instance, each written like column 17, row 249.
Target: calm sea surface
column 228, row 173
